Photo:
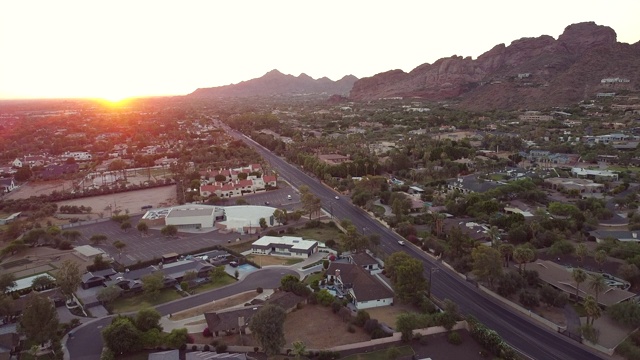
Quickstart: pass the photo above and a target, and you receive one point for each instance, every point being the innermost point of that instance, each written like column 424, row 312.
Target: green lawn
column 214, row 284
column 321, row 234
column 142, row 301
column 378, row 210
column 382, row 354
column 312, row 277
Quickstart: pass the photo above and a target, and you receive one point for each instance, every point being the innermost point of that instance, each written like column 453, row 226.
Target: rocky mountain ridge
column 275, row 83
column 530, row 73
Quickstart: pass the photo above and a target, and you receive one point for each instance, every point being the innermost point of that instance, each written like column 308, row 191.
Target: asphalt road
column 86, row 343
column 524, row 334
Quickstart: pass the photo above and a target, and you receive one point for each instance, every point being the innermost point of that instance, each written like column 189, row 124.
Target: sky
column 116, row 49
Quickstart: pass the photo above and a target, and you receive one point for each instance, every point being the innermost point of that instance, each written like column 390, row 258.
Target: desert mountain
column 276, row 83
column 529, row 73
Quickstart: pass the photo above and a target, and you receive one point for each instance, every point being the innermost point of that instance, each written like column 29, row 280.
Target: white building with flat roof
column 246, row 218
column 284, row 246
column 191, row 216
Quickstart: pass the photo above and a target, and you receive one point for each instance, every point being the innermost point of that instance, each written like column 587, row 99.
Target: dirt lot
column 131, row 200
column 318, row 327
column 39, row 188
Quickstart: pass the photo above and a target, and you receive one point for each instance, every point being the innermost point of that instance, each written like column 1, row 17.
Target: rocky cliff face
column 276, row 83
column 529, row 73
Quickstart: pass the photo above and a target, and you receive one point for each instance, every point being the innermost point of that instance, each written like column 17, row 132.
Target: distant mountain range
column 530, row 73
column 276, row 83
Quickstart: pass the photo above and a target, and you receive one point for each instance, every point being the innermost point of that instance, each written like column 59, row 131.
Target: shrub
column 221, row 347
column 454, row 338
column 351, row 329
column 194, row 347
column 206, row 332
column 259, row 290
column 206, row 348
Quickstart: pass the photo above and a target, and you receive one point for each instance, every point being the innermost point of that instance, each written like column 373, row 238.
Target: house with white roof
column 284, row 246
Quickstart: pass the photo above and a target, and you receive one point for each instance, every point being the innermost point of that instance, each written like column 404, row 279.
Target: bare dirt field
column 130, row 200
column 319, row 328
column 39, row 188
column 264, row 260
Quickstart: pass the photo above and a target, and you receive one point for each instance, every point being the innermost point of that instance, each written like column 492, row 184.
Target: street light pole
column 431, row 271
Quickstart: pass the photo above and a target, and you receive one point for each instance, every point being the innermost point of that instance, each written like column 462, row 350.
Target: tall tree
column 506, row 250
column 68, row 278
column 494, row 234
column 147, row 319
column 579, row 276
column 119, row 245
column 486, row 263
column 597, row 284
column 122, row 336
column 267, row 325
column 581, row 252
column 592, row 309
column 152, row 284
column 407, row 276
column 39, row 321
column 143, row 228
column 7, row 281
column 522, row 255
column 97, row 239
column 600, row 257
column 71, row 235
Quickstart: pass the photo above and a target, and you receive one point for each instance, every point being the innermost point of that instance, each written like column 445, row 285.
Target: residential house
column 284, row 246
column 173, row 274
column 474, row 230
column 96, row 278
column 594, row 174
column 231, row 321
column 620, row 235
column 365, row 261
column 365, row 290
column 581, row 185
column 7, row 185
column 561, row 278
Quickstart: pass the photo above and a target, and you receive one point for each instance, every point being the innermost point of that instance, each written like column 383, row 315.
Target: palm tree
column 506, row 250
column 592, row 309
column 579, row 276
column 522, row 255
column 494, row 234
column 597, row 284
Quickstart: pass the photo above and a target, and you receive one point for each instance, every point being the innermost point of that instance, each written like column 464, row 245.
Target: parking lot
column 154, row 245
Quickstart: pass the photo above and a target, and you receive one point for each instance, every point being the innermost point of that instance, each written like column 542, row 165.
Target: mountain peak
column 276, row 83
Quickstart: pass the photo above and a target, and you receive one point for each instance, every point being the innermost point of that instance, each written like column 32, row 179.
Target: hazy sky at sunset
column 114, row 49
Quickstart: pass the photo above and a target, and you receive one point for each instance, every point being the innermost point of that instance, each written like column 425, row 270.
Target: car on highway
column 288, row 197
column 337, row 197
column 400, row 242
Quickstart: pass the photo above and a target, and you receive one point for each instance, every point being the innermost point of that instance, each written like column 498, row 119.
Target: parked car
column 234, row 264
